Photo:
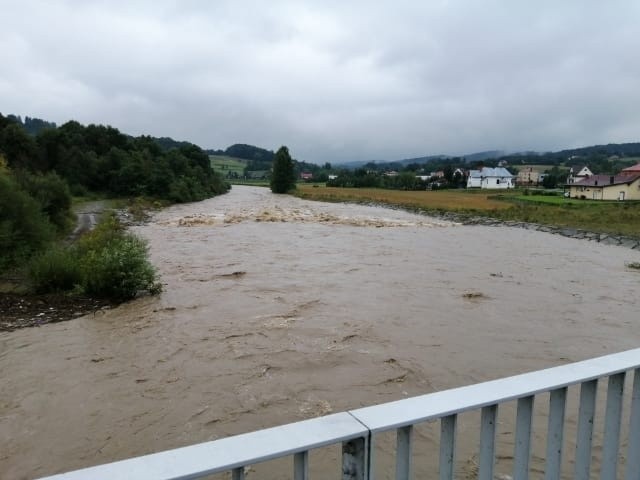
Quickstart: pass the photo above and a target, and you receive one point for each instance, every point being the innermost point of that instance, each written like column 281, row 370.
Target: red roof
column 604, row 180
column 635, row 168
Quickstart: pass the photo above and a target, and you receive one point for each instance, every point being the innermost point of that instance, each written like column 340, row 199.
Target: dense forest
column 32, row 126
column 97, row 158
column 42, row 166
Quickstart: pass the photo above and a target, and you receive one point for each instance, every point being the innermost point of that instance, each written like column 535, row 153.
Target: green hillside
column 225, row 165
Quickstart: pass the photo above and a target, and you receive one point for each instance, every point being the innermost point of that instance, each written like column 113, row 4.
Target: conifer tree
column 283, row 177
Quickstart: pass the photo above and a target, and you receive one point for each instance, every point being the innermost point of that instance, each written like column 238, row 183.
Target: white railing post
column 301, row 466
column 555, row 433
column 487, row 442
column 611, row 440
column 522, row 448
column 404, row 453
column 586, row 414
column 448, row 446
column 633, row 452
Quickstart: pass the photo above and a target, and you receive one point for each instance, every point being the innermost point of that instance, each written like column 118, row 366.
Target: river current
column 277, row 309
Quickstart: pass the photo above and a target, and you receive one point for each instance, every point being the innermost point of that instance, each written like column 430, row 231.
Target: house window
column 497, row 181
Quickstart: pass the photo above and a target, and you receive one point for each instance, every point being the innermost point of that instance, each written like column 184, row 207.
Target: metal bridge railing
column 357, row 431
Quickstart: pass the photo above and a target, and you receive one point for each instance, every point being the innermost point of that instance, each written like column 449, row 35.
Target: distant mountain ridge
column 631, row 149
column 260, row 158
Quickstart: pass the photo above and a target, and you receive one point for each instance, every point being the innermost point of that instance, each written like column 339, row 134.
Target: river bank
column 21, row 311
column 616, row 223
column 575, row 233
column 20, row 308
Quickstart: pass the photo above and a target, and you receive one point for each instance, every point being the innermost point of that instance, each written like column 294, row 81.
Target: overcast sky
column 333, row 80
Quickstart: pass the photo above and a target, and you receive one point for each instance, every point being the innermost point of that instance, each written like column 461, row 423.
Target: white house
column 578, row 173
column 490, row 178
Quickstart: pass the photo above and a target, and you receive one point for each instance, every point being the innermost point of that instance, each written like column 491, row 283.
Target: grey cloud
column 332, row 80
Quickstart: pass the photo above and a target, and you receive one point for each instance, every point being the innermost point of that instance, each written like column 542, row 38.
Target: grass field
column 609, row 217
column 224, row 164
column 446, row 200
column 253, row 183
column 553, row 200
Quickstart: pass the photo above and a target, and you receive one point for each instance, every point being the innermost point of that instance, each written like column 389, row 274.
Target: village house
column 490, row 178
column 528, row 176
column 306, row 176
column 578, row 173
column 623, row 186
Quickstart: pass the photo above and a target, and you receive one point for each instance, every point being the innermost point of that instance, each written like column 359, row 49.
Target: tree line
column 40, row 172
column 98, row 158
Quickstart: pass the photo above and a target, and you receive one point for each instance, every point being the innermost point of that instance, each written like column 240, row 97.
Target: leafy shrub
column 53, row 194
column 107, row 262
column 55, row 270
column 114, row 262
column 107, row 231
column 24, row 229
column 119, row 270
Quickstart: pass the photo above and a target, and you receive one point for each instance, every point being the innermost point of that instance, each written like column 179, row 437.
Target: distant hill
column 246, row 152
column 593, row 154
column 479, row 156
column 472, row 157
column 256, row 158
column 230, row 167
column 167, row 143
column 620, row 149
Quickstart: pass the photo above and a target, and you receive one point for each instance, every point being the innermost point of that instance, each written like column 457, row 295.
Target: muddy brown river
column 277, row 309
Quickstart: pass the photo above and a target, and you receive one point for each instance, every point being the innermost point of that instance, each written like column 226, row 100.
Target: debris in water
column 474, row 295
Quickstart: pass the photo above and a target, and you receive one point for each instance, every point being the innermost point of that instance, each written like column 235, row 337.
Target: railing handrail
column 409, row 411
column 228, row 453
column 240, row 450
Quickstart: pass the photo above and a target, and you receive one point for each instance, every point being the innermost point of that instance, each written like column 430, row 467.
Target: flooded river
column 277, row 309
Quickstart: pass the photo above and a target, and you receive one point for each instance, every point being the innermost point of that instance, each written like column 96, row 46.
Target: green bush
column 56, row 270
column 107, row 262
column 114, row 262
column 107, row 231
column 53, row 194
column 119, row 270
column 24, row 228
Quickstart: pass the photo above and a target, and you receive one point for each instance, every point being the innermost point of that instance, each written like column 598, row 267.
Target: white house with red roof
column 623, row 186
column 578, row 173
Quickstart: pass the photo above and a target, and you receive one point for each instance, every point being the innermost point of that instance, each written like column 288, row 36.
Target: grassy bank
column 608, row 217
